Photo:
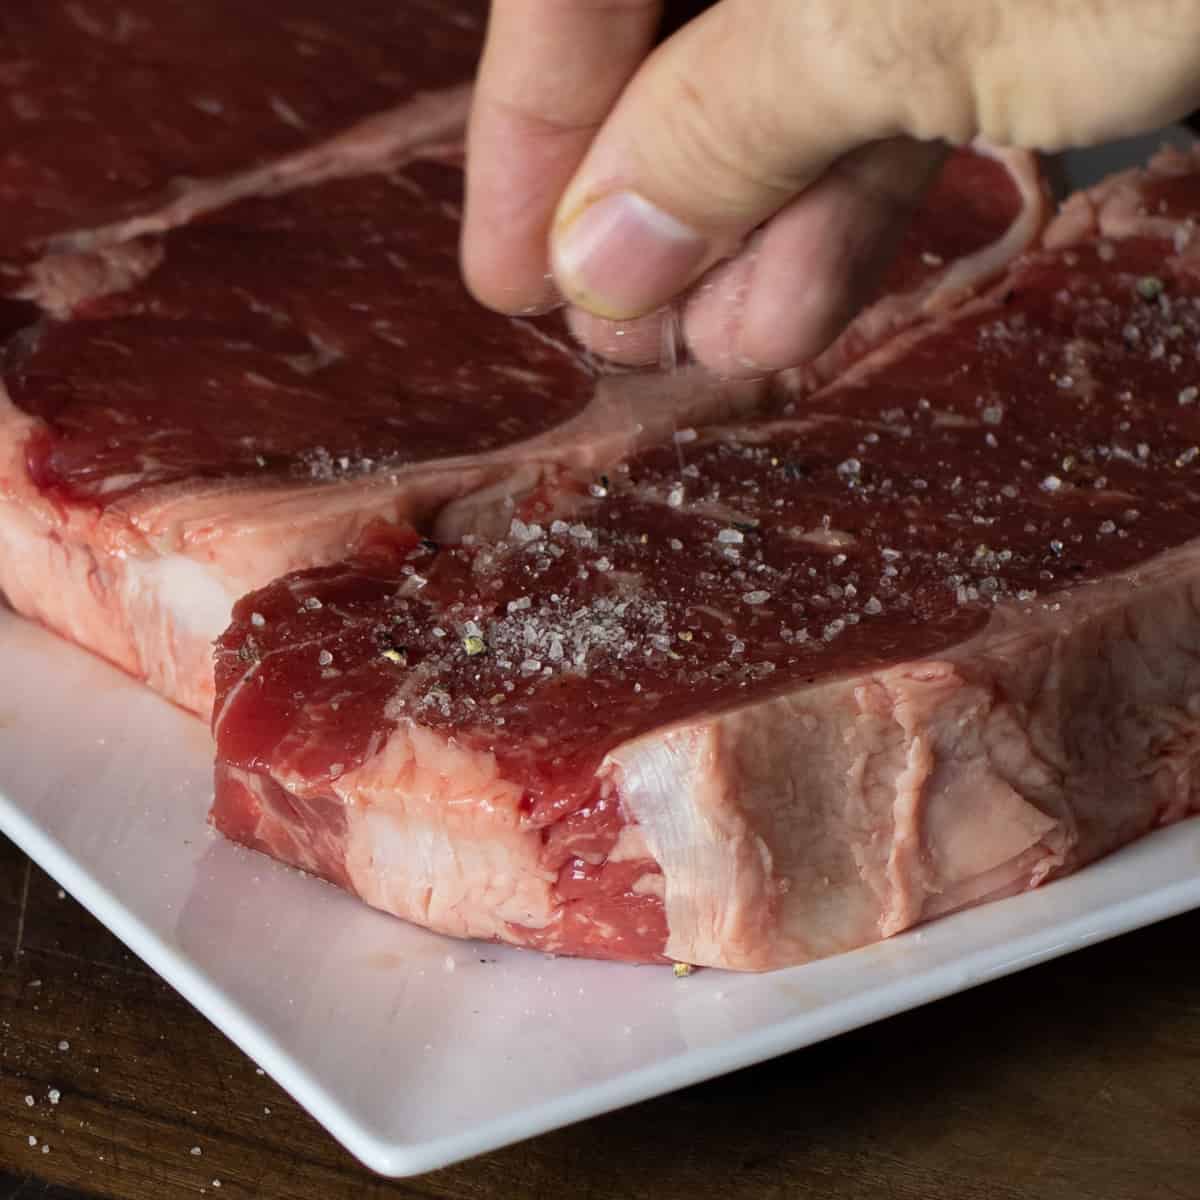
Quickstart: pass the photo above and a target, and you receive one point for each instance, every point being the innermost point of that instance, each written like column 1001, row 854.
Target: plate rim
column 399, row 1158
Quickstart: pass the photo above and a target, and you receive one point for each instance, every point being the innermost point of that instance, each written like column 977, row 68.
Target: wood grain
column 1078, row 1079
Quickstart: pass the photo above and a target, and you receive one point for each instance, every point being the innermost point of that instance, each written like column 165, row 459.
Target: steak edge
column 926, row 641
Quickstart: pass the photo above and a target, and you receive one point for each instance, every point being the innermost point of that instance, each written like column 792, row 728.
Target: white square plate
column 413, row 1050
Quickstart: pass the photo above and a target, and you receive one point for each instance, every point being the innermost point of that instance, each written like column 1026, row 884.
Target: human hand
column 763, row 159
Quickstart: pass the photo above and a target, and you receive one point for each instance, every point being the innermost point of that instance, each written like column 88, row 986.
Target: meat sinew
column 115, row 109
column 774, row 690
column 985, row 207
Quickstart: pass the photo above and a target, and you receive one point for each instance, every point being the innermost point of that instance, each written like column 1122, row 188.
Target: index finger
column 551, row 72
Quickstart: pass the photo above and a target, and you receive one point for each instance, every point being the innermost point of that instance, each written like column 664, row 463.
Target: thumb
column 702, row 147
column 746, row 106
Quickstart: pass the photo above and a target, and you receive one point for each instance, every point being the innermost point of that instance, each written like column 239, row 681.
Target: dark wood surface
column 1075, row 1080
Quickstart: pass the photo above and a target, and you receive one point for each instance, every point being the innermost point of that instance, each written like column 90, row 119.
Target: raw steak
column 252, row 376
column 189, row 410
column 298, row 371
column 114, row 109
column 772, row 691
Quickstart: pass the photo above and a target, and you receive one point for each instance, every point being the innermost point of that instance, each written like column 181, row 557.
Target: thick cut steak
column 775, row 690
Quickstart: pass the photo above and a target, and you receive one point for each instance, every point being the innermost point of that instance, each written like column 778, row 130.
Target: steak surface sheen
column 777, row 689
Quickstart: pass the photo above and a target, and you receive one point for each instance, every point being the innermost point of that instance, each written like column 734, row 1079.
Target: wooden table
column 1079, row 1080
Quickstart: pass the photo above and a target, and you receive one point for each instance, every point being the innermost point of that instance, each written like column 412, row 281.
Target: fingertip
column 548, row 78
column 822, row 260
column 713, row 315
column 716, row 322
column 621, row 257
column 629, row 343
column 783, row 329
column 502, row 244
column 507, row 283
